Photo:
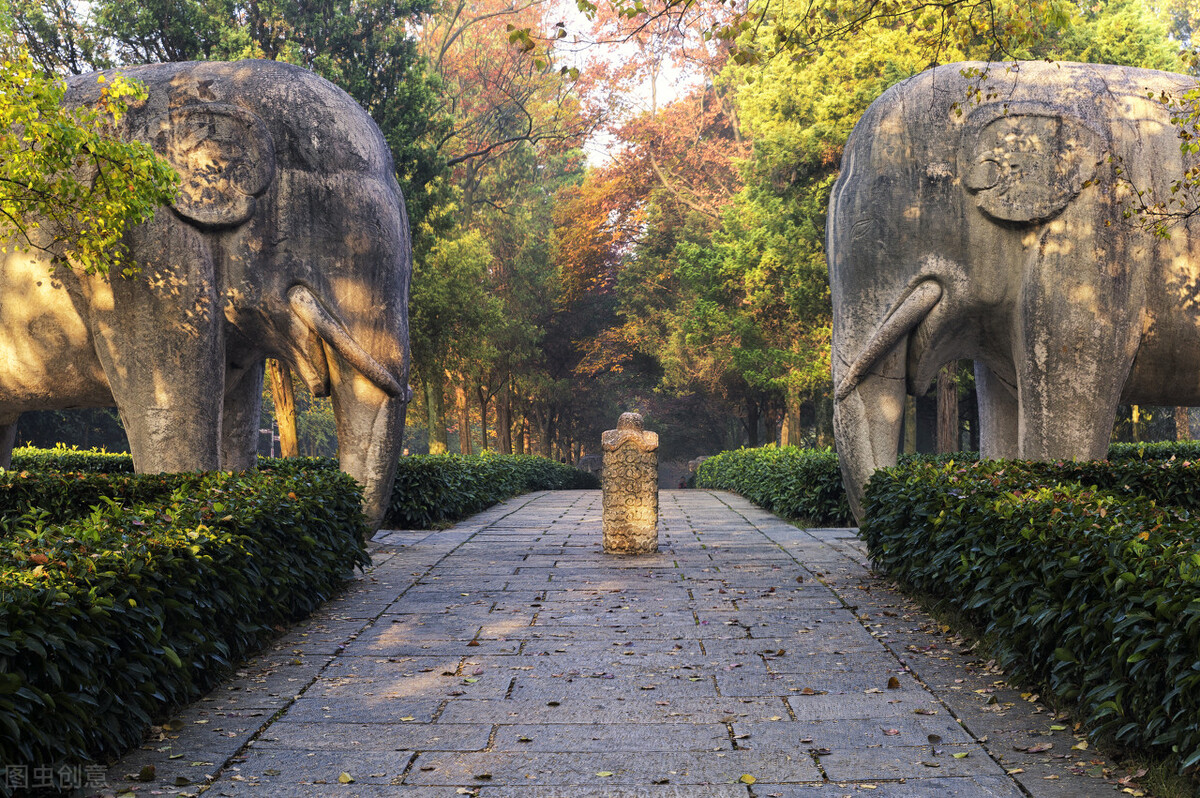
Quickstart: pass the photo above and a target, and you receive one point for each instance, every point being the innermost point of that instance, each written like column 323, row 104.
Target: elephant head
column 289, row 238
column 994, row 229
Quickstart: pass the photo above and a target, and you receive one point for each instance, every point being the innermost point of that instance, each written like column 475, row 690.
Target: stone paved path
column 509, row 657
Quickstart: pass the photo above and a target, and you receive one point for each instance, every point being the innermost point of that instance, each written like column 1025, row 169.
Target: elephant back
column 228, row 128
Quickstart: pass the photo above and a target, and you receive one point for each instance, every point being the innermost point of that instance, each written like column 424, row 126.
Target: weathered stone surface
column 964, row 787
column 984, row 216
column 630, row 484
column 680, row 768
column 303, row 736
column 289, row 239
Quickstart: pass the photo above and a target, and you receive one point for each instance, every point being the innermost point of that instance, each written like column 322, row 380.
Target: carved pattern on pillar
column 630, row 483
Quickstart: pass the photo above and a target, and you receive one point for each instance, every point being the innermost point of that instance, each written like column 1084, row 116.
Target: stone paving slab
column 509, row 657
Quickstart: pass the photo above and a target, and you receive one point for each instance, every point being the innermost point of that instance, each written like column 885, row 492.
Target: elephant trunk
column 370, row 430
column 871, row 380
column 369, row 399
column 866, row 426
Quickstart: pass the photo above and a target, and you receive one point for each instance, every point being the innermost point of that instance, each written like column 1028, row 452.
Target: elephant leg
column 242, row 417
column 999, row 418
column 160, row 340
column 1077, row 334
column 8, row 438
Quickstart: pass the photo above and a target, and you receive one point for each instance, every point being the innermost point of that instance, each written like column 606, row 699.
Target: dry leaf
column 747, row 779
column 893, row 683
column 345, row 778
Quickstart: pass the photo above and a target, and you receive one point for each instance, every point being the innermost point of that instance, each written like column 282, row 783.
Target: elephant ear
column 1026, row 165
column 225, row 157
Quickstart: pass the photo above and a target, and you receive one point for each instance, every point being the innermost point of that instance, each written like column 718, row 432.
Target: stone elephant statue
column 988, row 217
column 289, row 239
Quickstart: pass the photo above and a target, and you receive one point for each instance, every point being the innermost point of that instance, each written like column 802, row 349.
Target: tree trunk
column 947, row 409
column 481, row 392
column 546, row 435
column 435, row 400
column 1135, row 423
column 284, row 397
column 823, row 413
column 504, row 420
column 464, row 417
column 910, row 424
column 1183, row 424
column 751, row 423
column 770, row 427
column 519, row 442
column 792, row 433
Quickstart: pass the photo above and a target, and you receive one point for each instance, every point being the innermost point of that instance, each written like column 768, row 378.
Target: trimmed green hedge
column 111, row 616
column 1158, row 450
column 1083, row 580
column 91, row 461
column 792, row 482
column 807, row 483
column 789, row 481
column 432, row 489
column 60, row 458
column 428, row 489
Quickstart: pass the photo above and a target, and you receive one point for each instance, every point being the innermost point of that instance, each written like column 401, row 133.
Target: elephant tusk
column 310, row 310
column 899, row 323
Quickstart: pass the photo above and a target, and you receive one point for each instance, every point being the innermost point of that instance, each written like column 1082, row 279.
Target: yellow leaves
column 747, row 779
column 345, row 778
column 60, row 167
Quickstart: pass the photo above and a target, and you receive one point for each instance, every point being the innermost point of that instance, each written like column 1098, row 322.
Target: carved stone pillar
column 630, row 483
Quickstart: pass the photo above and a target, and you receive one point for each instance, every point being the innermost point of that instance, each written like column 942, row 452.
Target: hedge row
column 60, row 458
column 91, row 461
column 807, row 483
column 433, row 489
column 791, row 482
column 111, row 616
column 428, row 489
column 1080, row 576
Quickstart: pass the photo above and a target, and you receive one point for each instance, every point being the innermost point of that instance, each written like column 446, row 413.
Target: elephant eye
column 863, row 228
